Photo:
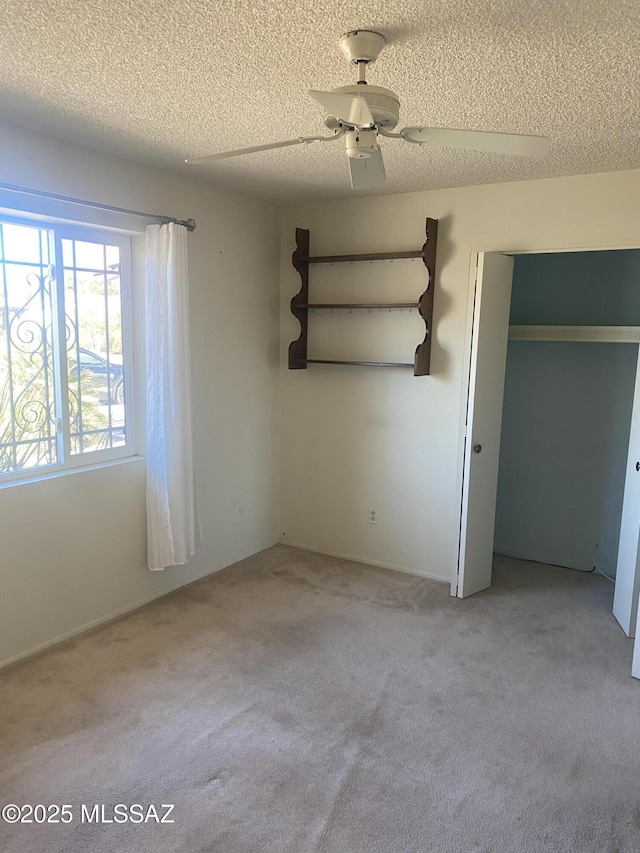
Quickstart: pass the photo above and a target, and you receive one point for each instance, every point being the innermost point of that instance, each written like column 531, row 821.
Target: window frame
column 59, row 231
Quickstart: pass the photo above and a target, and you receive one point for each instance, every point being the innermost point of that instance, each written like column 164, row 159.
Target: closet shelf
column 576, row 334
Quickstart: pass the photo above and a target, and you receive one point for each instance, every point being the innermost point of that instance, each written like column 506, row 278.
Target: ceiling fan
column 361, row 113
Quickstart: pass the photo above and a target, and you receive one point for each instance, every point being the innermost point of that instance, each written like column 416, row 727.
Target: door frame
column 474, row 258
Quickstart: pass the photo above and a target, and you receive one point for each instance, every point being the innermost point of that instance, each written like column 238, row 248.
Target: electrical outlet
column 373, row 516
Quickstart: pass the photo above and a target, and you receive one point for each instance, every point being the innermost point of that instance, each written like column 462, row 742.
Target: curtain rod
column 189, row 224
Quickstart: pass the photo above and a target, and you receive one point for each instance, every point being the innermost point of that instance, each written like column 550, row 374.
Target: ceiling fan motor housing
column 383, row 104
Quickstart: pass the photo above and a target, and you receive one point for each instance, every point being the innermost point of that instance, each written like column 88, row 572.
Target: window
column 65, row 365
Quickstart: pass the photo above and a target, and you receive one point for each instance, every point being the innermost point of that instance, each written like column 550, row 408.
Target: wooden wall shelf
column 376, row 256
column 323, row 305
column 300, row 305
column 364, row 363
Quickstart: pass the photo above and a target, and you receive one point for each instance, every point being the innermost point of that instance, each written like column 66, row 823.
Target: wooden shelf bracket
column 422, row 360
column 300, row 261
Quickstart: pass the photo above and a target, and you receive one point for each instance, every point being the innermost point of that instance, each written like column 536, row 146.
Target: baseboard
column 368, row 562
column 516, row 555
column 121, row 611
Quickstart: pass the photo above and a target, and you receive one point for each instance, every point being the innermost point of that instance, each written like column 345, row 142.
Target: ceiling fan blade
column 269, row 145
column 367, row 172
column 349, row 109
column 479, row 140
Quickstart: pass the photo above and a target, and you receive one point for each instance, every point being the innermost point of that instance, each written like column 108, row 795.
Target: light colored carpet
column 302, row 704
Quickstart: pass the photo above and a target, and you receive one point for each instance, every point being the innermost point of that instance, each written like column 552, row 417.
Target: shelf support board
column 423, row 350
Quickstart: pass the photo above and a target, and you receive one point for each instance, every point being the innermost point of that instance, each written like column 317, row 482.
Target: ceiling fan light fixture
column 361, row 144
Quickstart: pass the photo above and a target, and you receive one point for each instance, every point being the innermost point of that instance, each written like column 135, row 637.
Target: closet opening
column 567, row 415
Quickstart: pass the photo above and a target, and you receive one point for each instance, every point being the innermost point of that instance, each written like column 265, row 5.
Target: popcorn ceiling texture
column 157, row 82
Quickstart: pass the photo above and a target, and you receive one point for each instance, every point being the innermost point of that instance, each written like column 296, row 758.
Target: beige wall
column 355, row 438
column 72, row 549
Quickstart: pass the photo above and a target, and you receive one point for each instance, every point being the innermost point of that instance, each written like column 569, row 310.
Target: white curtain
column 172, row 525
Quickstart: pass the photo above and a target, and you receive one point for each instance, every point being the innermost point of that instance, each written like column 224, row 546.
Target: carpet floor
column 297, row 703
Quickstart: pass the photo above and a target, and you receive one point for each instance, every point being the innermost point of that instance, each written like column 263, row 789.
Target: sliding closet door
column 484, row 420
column 625, row 599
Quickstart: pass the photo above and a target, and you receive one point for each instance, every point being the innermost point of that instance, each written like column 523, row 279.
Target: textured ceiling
column 159, row 81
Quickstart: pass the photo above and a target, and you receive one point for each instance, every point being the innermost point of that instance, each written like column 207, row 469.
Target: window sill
column 65, row 472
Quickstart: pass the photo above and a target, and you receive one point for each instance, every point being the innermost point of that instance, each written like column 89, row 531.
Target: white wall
column 72, row 549
column 354, row 437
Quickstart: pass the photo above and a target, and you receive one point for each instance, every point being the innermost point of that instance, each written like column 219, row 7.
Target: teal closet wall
column 577, row 289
